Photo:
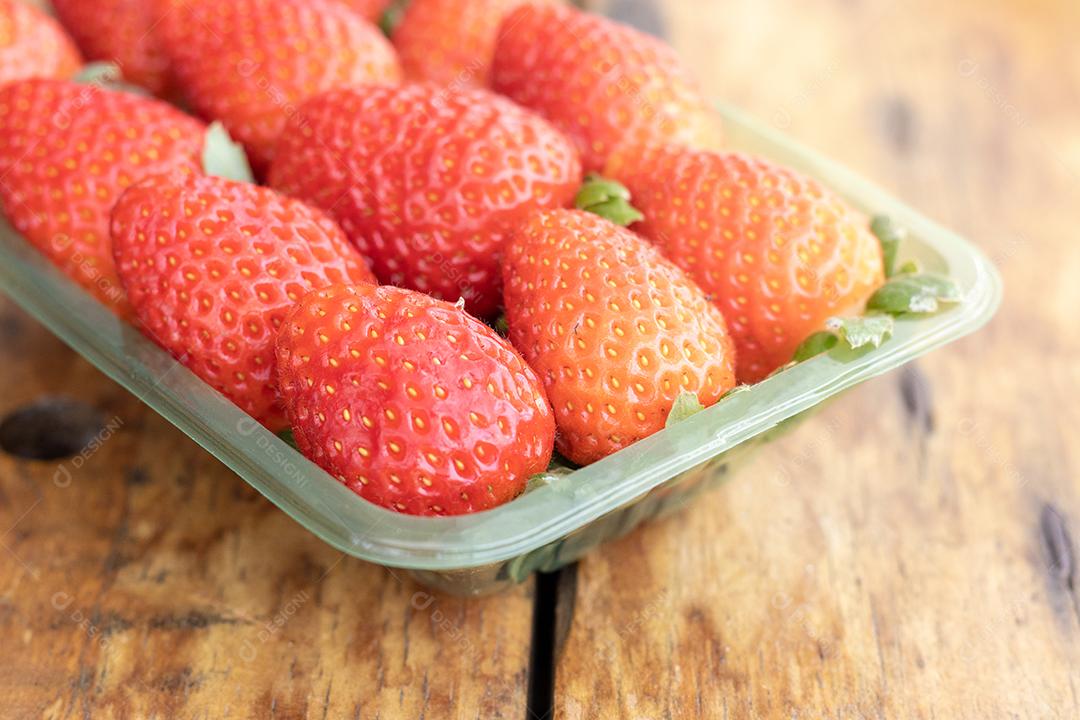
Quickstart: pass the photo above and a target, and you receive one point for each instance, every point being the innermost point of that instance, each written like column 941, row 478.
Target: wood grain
column 142, row 579
column 907, row 554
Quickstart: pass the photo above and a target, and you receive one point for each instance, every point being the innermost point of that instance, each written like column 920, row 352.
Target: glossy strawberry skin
column 778, row 252
column 33, row 45
column 606, row 85
column 67, row 152
column 251, row 63
column 450, row 42
column 122, row 32
column 614, row 330
column 410, row 402
column 212, row 266
column 427, row 183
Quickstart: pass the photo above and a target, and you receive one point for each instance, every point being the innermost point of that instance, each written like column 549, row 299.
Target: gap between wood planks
column 553, row 613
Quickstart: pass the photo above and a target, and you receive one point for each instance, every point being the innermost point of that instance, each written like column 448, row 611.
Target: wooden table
column 907, row 554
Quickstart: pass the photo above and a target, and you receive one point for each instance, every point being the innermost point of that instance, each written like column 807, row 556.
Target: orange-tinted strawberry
column 67, row 152
column 410, row 402
column 427, row 183
column 615, row 331
column 778, row 252
column 32, row 44
column 604, row 84
column 121, row 32
column 450, row 42
column 250, row 63
column 212, row 266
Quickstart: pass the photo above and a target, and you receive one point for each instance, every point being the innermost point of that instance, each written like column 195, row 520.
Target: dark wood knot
column 50, row 428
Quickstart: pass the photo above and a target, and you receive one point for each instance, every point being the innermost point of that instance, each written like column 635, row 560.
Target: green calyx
column 558, row 468
column 288, row 438
column 107, row 75
column 501, row 325
column 608, row 199
column 223, row 157
column 890, row 235
column 851, row 333
column 908, row 290
column 864, row 330
column 819, row 342
column 685, row 405
column 391, row 17
column 915, row 293
column 98, row 73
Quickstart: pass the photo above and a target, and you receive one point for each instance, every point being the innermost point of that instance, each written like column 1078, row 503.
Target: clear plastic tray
column 553, row 524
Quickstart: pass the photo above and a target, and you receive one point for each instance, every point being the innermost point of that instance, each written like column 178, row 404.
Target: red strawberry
column 250, row 63
column 119, row 31
column 67, row 152
column 615, row 331
column 778, row 252
column 410, row 402
column 602, row 83
column 211, row 267
column 450, row 42
column 427, row 183
column 32, row 44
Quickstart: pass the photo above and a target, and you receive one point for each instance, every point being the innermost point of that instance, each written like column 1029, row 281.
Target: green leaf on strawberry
column 686, row 404
column 890, row 235
column 391, row 18
column 98, row 73
column 608, row 199
column 288, row 438
column 819, row 342
column 860, row 331
column 501, row 326
column 107, row 75
column 559, row 468
column 911, row 267
column 922, row 293
column 224, row 157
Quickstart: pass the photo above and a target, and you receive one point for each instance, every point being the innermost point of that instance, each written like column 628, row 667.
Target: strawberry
column 67, row 152
column 615, row 331
column 250, row 63
column 427, row 183
column 410, row 402
column 121, row 32
column 211, row 266
column 450, row 42
column 604, row 84
column 778, row 252
column 32, row 44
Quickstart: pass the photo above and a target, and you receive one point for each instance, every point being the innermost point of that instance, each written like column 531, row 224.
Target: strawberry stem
column 608, row 199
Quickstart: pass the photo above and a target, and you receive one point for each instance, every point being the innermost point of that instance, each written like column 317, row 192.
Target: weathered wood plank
column 144, row 580
column 907, row 554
